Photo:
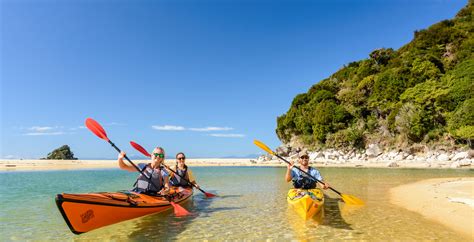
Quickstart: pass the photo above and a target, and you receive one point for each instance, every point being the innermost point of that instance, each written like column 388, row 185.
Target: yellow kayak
column 306, row 203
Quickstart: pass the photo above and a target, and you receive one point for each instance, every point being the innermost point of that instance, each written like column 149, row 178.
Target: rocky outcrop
column 374, row 154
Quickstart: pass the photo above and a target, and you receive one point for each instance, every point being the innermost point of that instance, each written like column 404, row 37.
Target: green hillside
column 420, row 93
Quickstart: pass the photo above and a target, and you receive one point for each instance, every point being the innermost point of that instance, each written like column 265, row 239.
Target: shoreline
column 449, row 201
column 33, row 165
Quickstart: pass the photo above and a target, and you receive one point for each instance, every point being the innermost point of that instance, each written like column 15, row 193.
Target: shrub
column 463, row 116
column 382, row 56
column 346, row 139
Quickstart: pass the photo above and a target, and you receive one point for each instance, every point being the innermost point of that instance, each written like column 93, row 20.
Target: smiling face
column 158, row 155
column 304, row 160
column 180, row 159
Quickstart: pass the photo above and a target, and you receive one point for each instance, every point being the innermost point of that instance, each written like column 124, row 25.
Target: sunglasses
column 304, row 157
column 181, row 158
column 159, row 155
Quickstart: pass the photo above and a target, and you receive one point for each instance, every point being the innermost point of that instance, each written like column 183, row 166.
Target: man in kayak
column 183, row 171
column 154, row 170
column 300, row 179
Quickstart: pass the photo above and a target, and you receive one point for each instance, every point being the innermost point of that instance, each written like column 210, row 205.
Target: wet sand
column 449, row 201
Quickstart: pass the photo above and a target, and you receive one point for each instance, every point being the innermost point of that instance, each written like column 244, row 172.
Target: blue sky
column 203, row 77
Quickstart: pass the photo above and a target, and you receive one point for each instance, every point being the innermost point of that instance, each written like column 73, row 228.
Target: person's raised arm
column 122, row 164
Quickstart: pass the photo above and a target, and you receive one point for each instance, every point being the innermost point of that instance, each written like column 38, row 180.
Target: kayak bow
column 306, row 203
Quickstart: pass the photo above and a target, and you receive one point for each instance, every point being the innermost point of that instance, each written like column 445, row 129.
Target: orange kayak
column 88, row 211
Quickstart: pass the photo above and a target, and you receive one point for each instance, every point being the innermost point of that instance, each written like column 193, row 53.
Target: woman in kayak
column 300, row 179
column 183, row 172
column 159, row 177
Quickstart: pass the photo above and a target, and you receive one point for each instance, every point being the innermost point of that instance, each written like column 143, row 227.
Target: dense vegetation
column 61, row 153
column 421, row 93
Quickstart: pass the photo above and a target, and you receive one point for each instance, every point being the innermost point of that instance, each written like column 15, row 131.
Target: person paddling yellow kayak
column 302, row 180
column 306, row 198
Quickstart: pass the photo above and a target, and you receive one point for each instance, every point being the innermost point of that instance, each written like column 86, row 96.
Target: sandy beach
column 25, row 165
column 449, row 201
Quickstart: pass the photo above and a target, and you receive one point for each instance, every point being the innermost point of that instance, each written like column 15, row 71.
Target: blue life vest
column 301, row 180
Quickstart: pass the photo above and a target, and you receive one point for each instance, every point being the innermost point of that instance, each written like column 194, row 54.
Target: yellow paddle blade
column 349, row 199
column 263, row 147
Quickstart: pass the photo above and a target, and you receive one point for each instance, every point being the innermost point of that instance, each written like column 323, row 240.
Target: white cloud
column 43, row 133
column 114, row 124
column 228, row 135
column 40, row 129
column 206, row 129
column 168, row 127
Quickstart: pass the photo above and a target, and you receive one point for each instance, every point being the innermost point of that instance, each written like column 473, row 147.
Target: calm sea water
column 251, row 205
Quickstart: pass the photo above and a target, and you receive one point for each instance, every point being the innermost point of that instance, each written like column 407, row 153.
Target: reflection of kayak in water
column 306, row 203
column 88, row 211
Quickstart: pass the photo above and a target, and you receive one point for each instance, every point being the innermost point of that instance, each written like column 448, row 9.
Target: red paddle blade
column 209, row 194
column 140, row 148
column 179, row 211
column 96, row 128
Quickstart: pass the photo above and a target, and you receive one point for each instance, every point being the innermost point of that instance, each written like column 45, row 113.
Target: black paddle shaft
column 307, row 174
column 133, row 164
column 192, row 184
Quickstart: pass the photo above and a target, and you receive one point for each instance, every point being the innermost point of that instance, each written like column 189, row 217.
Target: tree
column 61, row 153
column 382, row 56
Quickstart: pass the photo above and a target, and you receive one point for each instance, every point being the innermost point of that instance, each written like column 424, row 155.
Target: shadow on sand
column 333, row 214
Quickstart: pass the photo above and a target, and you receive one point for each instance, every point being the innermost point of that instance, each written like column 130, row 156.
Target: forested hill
column 422, row 93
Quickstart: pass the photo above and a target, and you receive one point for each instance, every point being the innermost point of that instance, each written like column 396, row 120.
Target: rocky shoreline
column 374, row 156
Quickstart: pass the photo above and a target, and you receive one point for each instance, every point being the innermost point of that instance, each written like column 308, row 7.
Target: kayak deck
column 88, row 211
column 306, row 203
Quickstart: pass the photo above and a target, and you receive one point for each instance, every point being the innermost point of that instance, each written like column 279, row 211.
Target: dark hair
column 180, row 153
column 185, row 166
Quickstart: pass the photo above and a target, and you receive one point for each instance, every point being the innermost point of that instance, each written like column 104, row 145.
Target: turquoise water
column 251, row 205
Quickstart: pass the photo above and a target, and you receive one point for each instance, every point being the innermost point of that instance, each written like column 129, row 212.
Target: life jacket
column 143, row 185
column 178, row 181
column 301, row 180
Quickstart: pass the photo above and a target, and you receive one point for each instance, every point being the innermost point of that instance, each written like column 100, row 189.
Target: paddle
column 97, row 129
column 145, row 153
column 349, row 199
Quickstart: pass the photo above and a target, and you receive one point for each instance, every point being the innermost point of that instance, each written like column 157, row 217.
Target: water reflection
column 169, row 227
column 331, row 217
column 166, row 224
column 228, row 196
column 203, row 206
